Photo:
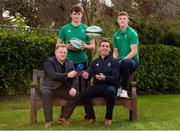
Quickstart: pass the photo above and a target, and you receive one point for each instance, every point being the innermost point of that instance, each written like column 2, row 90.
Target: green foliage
column 152, row 31
column 159, row 69
column 19, row 21
column 171, row 35
column 19, row 54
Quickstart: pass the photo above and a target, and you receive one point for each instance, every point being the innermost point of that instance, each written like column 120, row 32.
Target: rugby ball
column 94, row 31
column 76, row 43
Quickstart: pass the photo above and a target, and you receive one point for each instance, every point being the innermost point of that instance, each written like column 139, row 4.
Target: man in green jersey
column 76, row 29
column 126, row 50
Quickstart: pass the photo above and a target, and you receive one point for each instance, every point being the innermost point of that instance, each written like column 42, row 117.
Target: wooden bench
column 36, row 102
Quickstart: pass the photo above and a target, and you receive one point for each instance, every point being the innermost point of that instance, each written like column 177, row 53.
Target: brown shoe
column 48, row 124
column 63, row 121
column 90, row 121
column 107, row 122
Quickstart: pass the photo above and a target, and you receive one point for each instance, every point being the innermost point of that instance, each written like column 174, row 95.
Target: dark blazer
column 53, row 76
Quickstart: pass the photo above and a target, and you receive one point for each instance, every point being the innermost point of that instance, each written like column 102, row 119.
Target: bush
column 19, row 54
column 171, row 35
column 159, row 69
column 152, row 31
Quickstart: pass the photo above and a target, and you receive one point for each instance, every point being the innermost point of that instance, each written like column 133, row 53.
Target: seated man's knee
column 84, row 93
column 87, row 92
column 45, row 92
column 125, row 62
column 78, row 95
column 111, row 91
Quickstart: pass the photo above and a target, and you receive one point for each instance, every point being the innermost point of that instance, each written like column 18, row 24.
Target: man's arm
column 50, row 71
column 91, row 45
column 89, row 73
column 75, row 82
column 59, row 42
column 133, row 51
column 115, row 53
column 68, row 46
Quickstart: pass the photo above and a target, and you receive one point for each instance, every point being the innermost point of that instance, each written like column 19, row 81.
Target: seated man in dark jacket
column 60, row 81
column 105, row 71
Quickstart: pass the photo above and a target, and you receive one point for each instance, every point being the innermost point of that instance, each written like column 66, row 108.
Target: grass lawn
column 156, row 112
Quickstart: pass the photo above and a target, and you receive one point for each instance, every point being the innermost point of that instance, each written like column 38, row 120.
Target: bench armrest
column 34, row 85
column 34, row 90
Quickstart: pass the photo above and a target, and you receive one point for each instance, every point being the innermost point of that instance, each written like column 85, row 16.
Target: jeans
column 127, row 66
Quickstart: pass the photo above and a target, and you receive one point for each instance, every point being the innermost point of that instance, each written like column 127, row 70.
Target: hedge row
column 21, row 52
column 159, row 69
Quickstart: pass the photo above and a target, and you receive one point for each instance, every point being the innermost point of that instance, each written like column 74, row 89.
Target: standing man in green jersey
column 76, row 29
column 126, row 50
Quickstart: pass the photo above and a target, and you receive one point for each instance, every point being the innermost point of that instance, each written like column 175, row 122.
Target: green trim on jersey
column 123, row 40
column 68, row 32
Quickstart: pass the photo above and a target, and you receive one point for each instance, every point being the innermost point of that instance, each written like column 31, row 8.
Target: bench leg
column 133, row 112
column 33, row 115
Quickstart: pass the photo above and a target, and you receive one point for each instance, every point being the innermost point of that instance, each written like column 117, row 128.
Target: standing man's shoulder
column 84, row 25
column 64, row 27
column 132, row 36
column 116, row 33
column 132, row 31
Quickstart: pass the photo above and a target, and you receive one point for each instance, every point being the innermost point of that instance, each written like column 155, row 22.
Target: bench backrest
column 38, row 76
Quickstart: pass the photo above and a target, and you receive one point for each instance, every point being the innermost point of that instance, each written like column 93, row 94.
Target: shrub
column 152, row 31
column 159, row 69
column 19, row 54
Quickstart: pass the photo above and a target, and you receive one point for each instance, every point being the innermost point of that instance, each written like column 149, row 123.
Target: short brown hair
column 103, row 40
column 121, row 13
column 76, row 8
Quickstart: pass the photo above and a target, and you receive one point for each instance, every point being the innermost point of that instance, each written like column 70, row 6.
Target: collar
column 106, row 57
column 59, row 62
column 126, row 30
column 75, row 26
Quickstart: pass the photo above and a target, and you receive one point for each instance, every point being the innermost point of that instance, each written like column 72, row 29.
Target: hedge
column 20, row 53
column 159, row 69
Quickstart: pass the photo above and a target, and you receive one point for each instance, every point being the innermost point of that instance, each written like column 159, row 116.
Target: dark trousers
column 85, row 63
column 47, row 100
column 107, row 92
column 127, row 66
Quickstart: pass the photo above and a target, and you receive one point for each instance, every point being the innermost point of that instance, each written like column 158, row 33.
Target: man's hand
column 85, row 75
column 72, row 92
column 100, row 76
column 72, row 74
column 70, row 47
column 84, row 46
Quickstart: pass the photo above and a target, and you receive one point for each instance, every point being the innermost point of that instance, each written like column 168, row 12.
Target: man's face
column 76, row 16
column 104, row 48
column 122, row 20
column 61, row 53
